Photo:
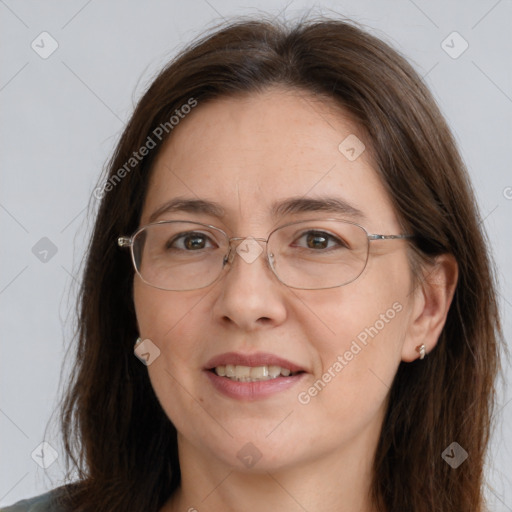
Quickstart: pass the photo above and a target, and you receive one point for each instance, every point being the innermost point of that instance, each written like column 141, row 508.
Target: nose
column 250, row 295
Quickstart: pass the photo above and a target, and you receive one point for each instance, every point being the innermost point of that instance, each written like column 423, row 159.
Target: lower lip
column 252, row 390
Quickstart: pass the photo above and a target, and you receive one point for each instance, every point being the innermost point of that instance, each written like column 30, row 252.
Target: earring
column 137, row 341
column 422, row 350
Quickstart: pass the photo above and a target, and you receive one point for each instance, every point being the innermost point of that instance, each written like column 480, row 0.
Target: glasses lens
column 179, row 255
column 318, row 254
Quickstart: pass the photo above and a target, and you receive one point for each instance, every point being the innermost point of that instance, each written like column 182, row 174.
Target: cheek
column 372, row 322
column 358, row 334
column 162, row 314
column 167, row 319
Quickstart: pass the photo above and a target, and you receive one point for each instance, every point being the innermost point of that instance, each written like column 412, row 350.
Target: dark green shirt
column 43, row 503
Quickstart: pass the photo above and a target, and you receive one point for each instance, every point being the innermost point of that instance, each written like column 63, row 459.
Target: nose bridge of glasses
column 240, row 238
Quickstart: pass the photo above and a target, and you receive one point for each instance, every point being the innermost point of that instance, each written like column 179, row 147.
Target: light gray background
column 61, row 117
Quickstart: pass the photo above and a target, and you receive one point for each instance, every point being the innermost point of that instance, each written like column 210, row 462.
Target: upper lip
column 257, row 359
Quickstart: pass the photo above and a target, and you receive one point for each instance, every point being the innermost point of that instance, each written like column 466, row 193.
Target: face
column 247, row 154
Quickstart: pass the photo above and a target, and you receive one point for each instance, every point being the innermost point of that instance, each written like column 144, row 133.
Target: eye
column 318, row 240
column 190, row 242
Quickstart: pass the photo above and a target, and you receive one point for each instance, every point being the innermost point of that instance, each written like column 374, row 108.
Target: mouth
column 252, row 376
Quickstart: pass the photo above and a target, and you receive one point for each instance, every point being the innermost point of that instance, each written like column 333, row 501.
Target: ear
column 431, row 301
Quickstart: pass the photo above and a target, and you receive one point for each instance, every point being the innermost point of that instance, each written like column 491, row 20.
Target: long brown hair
column 116, row 433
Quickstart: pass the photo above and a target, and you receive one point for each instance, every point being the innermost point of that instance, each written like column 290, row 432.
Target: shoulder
column 42, row 503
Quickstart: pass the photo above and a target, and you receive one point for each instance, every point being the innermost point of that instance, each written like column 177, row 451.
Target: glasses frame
column 128, row 241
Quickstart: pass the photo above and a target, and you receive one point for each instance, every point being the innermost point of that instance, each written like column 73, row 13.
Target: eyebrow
column 321, row 204
column 293, row 205
column 189, row 205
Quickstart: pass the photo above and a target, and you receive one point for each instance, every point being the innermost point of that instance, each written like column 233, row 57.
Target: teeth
column 220, row 371
column 259, row 372
column 251, row 373
column 274, row 371
column 242, row 373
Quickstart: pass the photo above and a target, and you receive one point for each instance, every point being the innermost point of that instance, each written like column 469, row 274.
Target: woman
column 289, row 243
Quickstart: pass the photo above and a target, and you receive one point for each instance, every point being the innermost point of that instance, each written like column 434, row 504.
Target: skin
column 245, row 153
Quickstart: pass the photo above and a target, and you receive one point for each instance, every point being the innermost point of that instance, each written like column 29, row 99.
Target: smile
column 252, row 376
column 242, row 373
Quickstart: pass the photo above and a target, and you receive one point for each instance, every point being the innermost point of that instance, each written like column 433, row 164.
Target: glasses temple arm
column 389, row 237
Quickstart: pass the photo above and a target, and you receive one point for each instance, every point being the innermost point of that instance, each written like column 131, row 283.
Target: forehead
column 249, row 153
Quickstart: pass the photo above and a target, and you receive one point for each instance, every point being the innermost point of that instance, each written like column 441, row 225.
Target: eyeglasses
column 310, row 255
